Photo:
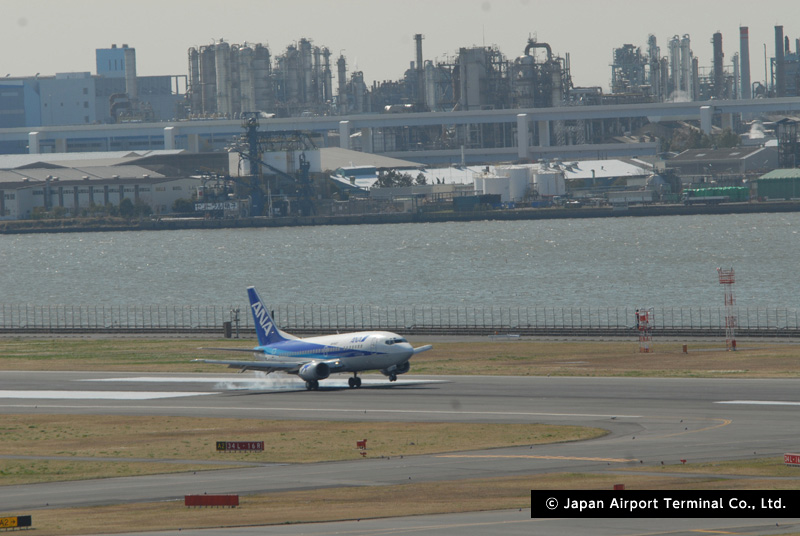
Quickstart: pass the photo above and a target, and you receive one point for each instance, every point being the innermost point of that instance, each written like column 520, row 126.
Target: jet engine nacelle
column 397, row 369
column 314, row 371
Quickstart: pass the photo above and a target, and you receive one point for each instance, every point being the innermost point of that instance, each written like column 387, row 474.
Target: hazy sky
column 376, row 36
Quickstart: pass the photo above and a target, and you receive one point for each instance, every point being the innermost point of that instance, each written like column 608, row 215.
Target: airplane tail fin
column 266, row 330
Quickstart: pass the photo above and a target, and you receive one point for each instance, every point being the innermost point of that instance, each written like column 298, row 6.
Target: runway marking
column 759, row 402
column 709, row 531
column 254, row 380
column 571, row 458
column 95, row 395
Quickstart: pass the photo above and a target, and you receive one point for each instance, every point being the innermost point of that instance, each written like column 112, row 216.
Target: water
column 607, row 262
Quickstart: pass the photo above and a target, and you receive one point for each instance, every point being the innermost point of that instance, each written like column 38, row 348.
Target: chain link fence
column 308, row 319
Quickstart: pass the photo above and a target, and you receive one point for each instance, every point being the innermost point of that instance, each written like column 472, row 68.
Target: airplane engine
column 314, row 371
column 397, row 369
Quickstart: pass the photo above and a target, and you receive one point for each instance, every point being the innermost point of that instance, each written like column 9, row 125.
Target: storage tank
column 261, row 79
column 246, row 81
column 223, row 69
column 519, row 179
column 549, row 182
column 498, row 186
column 208, row 79
column 195, row 91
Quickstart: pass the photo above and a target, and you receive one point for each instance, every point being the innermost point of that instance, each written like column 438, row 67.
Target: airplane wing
column 263, row 366
column 422, row 349
column 274, row 365
column 249, row 350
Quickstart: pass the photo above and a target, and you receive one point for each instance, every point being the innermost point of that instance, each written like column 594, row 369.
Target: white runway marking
column 271, row 382
column 95, row 395
column 759, row 402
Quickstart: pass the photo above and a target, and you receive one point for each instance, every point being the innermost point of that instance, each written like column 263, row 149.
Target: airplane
column 315, row 358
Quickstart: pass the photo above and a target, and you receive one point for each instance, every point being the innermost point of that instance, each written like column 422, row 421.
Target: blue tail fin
column 265, row 328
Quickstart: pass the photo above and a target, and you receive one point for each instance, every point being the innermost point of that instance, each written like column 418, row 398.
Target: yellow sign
column 8, row 522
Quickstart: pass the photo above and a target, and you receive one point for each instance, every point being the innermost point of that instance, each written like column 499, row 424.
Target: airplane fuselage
column 363, row 350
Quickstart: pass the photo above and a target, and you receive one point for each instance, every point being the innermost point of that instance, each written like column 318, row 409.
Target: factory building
column 76, row 183
column 115, row 94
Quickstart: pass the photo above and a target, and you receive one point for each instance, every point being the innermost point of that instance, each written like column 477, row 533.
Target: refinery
column 510, row 125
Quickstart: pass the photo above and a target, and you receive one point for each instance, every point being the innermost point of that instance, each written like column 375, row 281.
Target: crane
column 291, row 140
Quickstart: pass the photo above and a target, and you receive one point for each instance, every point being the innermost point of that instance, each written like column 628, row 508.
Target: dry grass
column 603, row 358
column 706, row 358
column 171, row 444
column 759, row 467
column 363, row 502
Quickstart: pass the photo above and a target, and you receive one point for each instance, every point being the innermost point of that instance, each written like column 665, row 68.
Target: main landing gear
column 354, row 382
column 312, row 385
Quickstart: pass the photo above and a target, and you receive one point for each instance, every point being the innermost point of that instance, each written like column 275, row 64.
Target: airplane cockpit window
column 395, row 340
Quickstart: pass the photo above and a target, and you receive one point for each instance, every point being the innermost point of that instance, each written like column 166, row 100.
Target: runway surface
column 650, row 421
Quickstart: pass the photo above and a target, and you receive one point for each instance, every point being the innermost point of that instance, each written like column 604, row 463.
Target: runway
column 650, row 421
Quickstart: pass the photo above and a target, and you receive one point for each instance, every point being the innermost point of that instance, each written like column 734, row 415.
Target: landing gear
column 355, row 381
column 392, row 377
column 312, row 385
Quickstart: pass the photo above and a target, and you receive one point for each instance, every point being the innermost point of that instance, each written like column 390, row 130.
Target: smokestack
column 744, row 60
column 719, row 78
column 420, row 72
column 780, row 85
column 130, row 72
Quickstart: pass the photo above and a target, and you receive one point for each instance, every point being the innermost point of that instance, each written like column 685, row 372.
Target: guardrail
column 304, row 319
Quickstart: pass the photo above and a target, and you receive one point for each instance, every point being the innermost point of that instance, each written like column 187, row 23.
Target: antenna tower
column 727, row 278
column 644, row 323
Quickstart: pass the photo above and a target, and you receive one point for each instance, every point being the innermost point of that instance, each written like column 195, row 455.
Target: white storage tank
column 498, row 185
column 518, row 181
column 549, row 182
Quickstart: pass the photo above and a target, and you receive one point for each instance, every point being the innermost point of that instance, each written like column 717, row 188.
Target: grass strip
column 365, row 502
column 706, row 358
column 146, row 440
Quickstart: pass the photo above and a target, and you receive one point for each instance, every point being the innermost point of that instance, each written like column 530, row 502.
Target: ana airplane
column 316, row 358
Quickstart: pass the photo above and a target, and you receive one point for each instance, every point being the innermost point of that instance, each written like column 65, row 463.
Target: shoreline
column 106, row 225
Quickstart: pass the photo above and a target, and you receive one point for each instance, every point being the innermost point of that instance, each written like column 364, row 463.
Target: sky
column 376, row 36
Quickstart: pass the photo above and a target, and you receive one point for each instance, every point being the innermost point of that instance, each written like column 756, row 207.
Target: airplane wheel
column 351, row 382
column 312, row 385
column 393, row 377
column 358, row 381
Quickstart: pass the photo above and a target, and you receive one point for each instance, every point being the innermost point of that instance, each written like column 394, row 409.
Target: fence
column 304, row 319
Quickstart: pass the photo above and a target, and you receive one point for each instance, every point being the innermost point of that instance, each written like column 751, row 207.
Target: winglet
column 266, row 330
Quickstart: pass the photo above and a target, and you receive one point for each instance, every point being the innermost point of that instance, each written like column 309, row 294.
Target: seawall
column 167, row 224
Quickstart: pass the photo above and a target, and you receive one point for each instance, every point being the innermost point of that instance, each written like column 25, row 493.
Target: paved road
column 650, row 420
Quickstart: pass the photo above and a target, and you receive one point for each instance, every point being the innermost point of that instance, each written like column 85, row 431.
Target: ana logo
column 262, row 317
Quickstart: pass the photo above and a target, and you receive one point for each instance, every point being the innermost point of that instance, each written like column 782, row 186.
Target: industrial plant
column 474, row 123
